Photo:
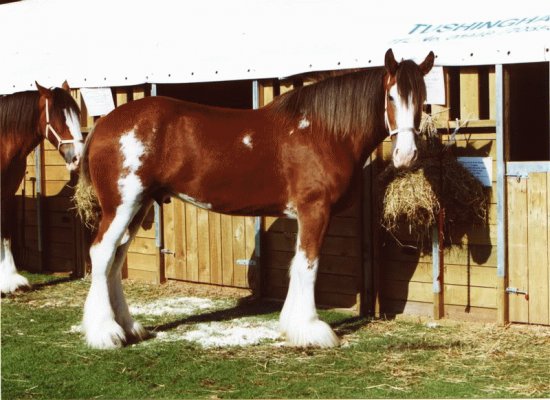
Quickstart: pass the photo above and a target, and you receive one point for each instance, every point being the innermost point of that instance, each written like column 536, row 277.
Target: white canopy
column 125, row 42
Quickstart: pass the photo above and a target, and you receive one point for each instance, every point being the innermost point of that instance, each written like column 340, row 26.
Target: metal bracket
column 518, row 175
column 513, row 290
column 167, row 251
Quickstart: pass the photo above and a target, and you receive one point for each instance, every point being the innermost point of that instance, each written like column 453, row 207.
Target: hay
column 87, row 206
column 414, row 197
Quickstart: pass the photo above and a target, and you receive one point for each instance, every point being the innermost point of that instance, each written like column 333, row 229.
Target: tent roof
column 126, row 42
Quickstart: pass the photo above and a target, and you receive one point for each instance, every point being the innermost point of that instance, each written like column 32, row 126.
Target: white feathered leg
column 299, row 321
column 10, row 280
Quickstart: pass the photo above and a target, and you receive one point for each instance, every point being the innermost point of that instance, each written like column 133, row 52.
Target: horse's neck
column 364, row 144
column 20, row 145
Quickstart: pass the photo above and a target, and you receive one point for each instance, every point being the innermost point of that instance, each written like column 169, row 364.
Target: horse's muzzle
column 72, row 159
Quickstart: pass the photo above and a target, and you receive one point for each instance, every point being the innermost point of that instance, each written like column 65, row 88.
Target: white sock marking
column 299, row 321
column 10, row 280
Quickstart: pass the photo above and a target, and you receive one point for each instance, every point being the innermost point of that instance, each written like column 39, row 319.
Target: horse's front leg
column 10, row 280
column 299, row 321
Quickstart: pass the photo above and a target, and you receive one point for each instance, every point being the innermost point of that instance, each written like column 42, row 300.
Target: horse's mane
column 349, row 104
column 19, row 112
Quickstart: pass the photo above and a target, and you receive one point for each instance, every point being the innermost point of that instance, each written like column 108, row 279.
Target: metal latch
column 517, row 291
column 167, row 251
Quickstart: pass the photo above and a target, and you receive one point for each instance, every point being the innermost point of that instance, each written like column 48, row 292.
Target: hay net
column 414, row 197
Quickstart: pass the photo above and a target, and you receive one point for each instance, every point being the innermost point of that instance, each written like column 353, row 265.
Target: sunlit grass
column 41, row 359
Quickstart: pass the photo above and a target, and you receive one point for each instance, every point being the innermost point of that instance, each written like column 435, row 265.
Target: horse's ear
column 390, row 63
column 42, row 90
column 66, row 87
column 428, row 63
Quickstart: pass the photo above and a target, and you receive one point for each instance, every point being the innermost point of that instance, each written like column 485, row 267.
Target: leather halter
column 49, row 128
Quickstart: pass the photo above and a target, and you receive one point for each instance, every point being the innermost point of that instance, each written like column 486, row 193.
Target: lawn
column 44, row 355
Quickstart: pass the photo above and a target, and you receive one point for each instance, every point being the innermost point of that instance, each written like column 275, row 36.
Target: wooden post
column 438, row 247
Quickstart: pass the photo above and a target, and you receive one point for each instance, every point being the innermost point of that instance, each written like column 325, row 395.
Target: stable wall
column 403, row 268
column 362, row 267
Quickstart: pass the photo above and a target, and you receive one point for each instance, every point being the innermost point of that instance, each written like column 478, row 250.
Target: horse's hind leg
column 131, row 327
column 299, row 321
column 101, row 329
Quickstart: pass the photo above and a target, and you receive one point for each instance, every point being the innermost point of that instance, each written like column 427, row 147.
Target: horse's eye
column 390, row 98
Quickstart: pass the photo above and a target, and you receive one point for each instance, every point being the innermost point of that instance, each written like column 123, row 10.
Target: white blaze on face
column 73, row 123
column 405, row 151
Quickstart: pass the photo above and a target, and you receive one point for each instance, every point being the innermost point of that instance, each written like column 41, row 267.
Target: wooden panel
column 537, row 250
column 410, row 291
column 252, row 275
column 470, row 296
column 518, row 272
column 142, row 245
column 239, row 252
column 492, row 95
column 327, row 264
column 170, row 234
column 215, row 232
column 144, row 262
column 191, row 234
column 203, row 248
column 227, row 250
column 469, row 93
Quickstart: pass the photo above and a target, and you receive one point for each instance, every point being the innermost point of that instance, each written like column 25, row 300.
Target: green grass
column 380, row 359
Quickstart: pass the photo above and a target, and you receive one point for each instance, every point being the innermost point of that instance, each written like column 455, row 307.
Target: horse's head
column 405, row 93
column 60, row 122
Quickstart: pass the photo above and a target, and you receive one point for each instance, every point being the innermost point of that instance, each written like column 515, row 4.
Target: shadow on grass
column 247, row 308
column 244, row 309
column 53, row 282
column 40, row 282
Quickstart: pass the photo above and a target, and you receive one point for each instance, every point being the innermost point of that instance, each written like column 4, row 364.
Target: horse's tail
column 85, row 199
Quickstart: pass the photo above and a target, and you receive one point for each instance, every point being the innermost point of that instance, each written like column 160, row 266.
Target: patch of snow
column 178, row 306
column 237, row 332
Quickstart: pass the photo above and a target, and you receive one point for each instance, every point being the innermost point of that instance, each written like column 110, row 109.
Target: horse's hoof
column 106, row 335
column 13, row 282
column 137, row 332
column 314, row 333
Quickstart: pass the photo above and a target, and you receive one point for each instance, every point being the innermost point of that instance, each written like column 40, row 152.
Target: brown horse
column 27, row 118
column 294, row 157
